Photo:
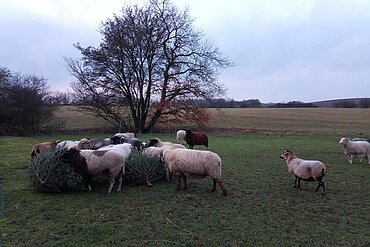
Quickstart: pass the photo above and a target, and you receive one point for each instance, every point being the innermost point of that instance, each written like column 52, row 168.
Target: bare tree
column 147, row 54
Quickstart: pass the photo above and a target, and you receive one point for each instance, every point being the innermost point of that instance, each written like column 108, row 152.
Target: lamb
column 180, row 135
column 194, row 163
column 100, row 162
column 196, row 138
column 355, row 149
column 156, row 142
column 307, row 170
column 42, row 147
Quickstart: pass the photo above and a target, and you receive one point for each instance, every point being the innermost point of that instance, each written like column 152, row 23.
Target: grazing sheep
column 123, row 137
column 152, row 152
column 355, row 149
column 94, row 144
column 68, row 145
column 137, row 143
column 84, row 143
column 307, row 170
column 180, row 135
column 360, row 139
column 124, row 149
column 156, row 142
column 100, row 162
column 194, row 163
column 196, row 138
column 41, row 147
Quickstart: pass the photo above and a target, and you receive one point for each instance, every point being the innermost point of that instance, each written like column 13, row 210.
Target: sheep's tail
column 323, row 171
column 219, row 165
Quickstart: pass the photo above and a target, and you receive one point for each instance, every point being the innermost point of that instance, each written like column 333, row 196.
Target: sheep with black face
column 196, row 138
column 108, row 161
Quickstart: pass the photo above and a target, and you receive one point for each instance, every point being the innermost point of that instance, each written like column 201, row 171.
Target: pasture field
column 262, row 209
column 350, row 122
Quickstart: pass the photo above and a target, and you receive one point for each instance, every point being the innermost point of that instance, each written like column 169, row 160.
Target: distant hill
column 333, row 103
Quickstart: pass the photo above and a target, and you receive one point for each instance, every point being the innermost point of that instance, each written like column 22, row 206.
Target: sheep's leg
column 222, row 185
column 120, row 178
column 321, row 183
column 214, row 182
column 178, row 181
column 89, row 186
column 350, row 159
column 111, row 183
column 167, row 173
column 295, row 182
column 185, row 181
column 298, row 182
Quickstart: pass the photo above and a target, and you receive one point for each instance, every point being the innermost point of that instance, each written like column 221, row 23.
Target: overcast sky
column 283, row 50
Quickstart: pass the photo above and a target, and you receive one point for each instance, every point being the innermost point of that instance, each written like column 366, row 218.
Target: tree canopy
column 24, row 102
column 151, row 60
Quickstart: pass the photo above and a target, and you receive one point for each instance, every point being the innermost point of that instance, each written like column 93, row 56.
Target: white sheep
column 355, row 149
column 127, row 136
column 109, row 162
column 307, row 170
column 152, row 152
column 180, row 135
column 156, row 142
column 68, row 145
column 124, row 149
column 194, row 163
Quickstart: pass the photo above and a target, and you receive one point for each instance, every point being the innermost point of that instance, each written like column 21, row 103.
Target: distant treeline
column 228, row 103
column 362, row 103
column 251, row 103
column 292, row 104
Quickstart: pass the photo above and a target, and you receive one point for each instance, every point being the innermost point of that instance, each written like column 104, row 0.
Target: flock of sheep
column 96, row 157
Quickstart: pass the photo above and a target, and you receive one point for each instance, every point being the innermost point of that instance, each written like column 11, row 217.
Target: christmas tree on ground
column 49, row 172
column 141, row 170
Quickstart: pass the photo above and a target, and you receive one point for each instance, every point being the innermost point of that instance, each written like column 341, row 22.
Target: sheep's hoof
column 294, row 186
column 225, row 193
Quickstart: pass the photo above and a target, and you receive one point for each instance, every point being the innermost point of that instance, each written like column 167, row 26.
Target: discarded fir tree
column 48, row 172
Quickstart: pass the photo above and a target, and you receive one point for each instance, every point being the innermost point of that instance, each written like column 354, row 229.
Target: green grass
column 262, row 209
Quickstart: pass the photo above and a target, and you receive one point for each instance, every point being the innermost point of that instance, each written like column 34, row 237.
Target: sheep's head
column 344, row 141
column 85, row 144
column 118, row 140
column 143, row 145
column 153, row 142
column 287, row 154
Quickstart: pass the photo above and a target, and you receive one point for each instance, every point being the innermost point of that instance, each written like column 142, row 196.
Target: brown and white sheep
column 194, row 163
column 42, row 147
column 306, row 170
column 110, row 163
